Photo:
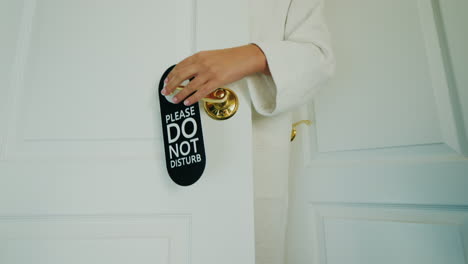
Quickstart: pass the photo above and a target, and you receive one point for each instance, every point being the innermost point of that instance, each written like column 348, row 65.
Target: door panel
column 82, row 170
column 84, row 239
column 388, row 72
column 10, row 17
column 382, row 174
column 365, row 234
column 70, row 58
column 453, row 38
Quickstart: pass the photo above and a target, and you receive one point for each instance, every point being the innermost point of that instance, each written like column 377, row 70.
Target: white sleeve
column 299, row 64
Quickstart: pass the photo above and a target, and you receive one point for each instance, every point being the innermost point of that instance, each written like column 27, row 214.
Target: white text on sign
column 181, row 138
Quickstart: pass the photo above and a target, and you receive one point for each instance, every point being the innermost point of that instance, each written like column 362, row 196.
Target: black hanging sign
column 183, row 139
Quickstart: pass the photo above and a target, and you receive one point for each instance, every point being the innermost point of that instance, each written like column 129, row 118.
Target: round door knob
column 221, row 104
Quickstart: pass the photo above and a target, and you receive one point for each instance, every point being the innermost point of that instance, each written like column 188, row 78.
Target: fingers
column 206, row 67
column 202, row 92
column 190, row 88
column 177, row 76
column 180, row 69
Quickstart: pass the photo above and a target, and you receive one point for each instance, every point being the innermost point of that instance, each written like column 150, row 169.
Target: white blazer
column 295, row 40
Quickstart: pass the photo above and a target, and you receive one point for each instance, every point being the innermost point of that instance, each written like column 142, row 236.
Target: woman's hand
column 213, row 69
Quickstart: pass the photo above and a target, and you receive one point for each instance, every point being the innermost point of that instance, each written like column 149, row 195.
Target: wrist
column 259, row 61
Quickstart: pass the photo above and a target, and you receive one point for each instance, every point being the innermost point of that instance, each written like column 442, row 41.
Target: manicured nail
column 163, row 91
column 186, row 102
column 175, row 100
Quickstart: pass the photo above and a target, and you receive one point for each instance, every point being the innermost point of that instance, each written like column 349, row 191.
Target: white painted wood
column 443, row 89
column 384, row 81
column 389, row 234
column 82, row 172
column 454, row 40
column 104, row 239
column 9, row 27
column 381, row 175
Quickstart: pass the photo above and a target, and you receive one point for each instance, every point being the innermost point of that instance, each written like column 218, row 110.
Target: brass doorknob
column 294, row 130
column 221, row 104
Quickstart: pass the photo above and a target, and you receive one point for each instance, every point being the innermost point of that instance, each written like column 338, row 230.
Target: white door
column 382, row 174
column 82, row 170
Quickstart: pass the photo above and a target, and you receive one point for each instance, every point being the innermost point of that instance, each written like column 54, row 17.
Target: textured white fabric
column 294, row 38
column 271, row 159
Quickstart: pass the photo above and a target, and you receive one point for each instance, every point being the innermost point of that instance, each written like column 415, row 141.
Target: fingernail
column 165, row 81
column 163, row 91
column 186, row 103
column 175, row 100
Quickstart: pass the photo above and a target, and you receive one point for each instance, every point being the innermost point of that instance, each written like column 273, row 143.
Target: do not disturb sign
column 183, row 139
